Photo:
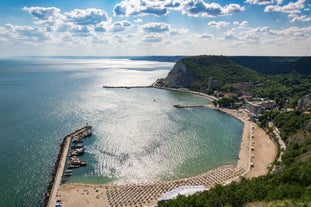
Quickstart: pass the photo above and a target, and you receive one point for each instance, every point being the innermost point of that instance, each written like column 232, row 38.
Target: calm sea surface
column 138, row 136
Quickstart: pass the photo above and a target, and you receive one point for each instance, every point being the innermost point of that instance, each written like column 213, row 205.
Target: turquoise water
column 138, row 135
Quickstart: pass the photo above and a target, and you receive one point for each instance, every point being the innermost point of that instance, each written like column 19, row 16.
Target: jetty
column 127, row 87
column 189, row 105
column 59, row 167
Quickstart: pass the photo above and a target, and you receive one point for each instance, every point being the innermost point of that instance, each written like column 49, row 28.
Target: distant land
column 261, row 64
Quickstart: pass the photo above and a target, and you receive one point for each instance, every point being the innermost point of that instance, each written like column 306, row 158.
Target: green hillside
column 220, row 68
column 275, row 65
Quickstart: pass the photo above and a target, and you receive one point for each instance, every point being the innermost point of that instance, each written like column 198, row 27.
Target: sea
column 138, row 135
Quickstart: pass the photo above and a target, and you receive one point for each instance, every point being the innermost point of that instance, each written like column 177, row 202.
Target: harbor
column 60, row 174
column 254, row 144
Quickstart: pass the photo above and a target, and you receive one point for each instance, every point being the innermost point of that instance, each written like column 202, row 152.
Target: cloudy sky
column 155, row 27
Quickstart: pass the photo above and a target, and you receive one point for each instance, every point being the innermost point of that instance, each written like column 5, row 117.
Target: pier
column 57, row 174
column 189, row 105
column 127, row 87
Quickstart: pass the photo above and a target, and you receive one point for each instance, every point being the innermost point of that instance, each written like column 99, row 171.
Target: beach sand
column 82, row 195
column 264, row 152
column 256, row 148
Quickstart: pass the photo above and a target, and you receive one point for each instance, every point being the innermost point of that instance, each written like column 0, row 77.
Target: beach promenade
column 257, row 152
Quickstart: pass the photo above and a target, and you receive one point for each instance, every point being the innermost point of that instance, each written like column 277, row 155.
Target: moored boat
column 83, row 163
column 67, row 174
column 73, row 166
column 77, row 146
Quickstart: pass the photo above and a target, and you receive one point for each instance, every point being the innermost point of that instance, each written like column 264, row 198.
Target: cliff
column 180, row 76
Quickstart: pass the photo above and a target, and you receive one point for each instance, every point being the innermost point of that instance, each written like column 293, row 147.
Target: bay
column 138, row 136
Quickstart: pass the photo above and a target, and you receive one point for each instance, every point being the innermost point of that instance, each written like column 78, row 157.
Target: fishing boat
column 76, row 146
column 73, row 166
column 77, row 140
column 83, row 163
column 67, row 174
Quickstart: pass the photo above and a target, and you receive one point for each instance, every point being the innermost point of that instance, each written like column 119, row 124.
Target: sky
column 155, row 27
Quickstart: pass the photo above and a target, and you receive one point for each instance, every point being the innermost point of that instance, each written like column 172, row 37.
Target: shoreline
column 256, row 150
column 253, row 137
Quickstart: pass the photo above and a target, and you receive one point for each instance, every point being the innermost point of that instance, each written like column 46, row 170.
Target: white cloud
column 139, row 20
column 140, row 8
column 260, row 2
column 240, row 24
column 296, row 18
column 181, row 31
column 201, row 36
column 279, row 1
column 54, row 20
column 155, row 27
column 43, row 13
column 163, row 7
column 101, row 27
column 121, row 26
column 82, row 30
column 232, row 9
column 152, row 38
column 25, row 33
column 266, row 35
column 219, row 24
column 50, row 16
column 87, row 16
column 198, row 8
column 291, row 7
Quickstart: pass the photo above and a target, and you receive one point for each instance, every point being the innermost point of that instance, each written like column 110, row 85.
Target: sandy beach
column 256, row 154
column 257, row 150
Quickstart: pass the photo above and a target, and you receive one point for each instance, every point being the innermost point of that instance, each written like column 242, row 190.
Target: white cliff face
column 179, row 76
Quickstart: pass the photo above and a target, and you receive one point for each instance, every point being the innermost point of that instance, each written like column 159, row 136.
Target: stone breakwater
column 61, row 154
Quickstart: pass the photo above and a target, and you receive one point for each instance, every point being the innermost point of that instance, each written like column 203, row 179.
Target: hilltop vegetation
column 275, row 65
column 286, row 88
column 197, row 70
column 221, row 68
